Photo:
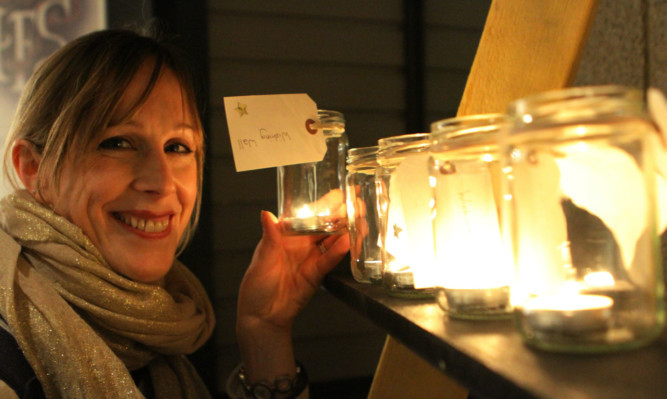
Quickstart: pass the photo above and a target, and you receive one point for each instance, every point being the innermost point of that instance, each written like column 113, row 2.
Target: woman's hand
column 284, row 273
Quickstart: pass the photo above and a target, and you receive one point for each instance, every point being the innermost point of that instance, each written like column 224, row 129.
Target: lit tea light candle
column 473, row 303
column 402, row 277
column 599, row 279
column 304, row 212
column 623, row 293
column 312, row 220
column 570, row 314
column 305, row 219
column 475, row 284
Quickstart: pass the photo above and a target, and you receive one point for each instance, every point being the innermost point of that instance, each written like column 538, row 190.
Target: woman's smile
column 157, row 227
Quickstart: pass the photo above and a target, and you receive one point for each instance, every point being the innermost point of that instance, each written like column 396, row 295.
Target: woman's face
column 134, row 189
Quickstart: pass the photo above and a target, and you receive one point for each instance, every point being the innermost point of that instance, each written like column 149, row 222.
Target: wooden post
column 425, row 381
column 527, row 46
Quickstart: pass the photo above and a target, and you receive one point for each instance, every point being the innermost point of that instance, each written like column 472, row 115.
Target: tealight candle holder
column 363, row 217
column 405, row 223
column 474, row 268
column 579, row 213
column 311, row 196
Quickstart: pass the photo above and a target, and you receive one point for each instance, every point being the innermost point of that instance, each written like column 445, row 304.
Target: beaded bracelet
column 284, row 386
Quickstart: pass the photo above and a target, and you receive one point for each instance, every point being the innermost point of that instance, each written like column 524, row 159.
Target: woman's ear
column 26, row 161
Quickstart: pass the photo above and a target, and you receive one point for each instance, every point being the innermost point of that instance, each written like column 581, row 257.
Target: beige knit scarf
column 81, row 325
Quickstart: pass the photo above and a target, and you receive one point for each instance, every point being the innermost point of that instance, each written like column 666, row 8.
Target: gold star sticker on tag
column 397, row 230
column 242, row 109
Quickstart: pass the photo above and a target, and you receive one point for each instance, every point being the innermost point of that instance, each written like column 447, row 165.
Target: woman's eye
column 115, row 143
column 177, row 148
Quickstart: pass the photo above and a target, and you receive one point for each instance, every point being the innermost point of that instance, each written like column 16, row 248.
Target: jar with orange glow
column 406, row 234
column 311, row 196
column 579, row 212
column 473, row 265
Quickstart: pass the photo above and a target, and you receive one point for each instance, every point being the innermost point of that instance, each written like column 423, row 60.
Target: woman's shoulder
column 16, row 375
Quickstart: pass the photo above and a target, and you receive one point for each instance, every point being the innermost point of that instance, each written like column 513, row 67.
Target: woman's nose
column 154, row 174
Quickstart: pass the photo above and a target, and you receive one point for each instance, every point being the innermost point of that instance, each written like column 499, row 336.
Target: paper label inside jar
column 273, row 130
column 410, row 186
column 657, row 107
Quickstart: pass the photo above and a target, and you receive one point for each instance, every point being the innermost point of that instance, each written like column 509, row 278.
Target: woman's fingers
column 333, row 249
column 270, row 226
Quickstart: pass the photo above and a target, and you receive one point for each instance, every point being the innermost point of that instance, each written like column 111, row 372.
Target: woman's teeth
column 146, row 225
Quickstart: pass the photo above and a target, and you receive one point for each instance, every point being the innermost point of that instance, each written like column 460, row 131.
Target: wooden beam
column 526, row 47
column 425, row 381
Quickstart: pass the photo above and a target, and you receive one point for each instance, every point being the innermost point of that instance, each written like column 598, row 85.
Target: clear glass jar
column 362, row 215
column 474, row 267
column 579, row 212
column 311, row 196
column 405, row 220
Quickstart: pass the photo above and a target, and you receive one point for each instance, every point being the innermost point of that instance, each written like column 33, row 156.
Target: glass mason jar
column 579, row 212
column 311, row 196
column 474, row 267
column 405, row 222
column 362, row 215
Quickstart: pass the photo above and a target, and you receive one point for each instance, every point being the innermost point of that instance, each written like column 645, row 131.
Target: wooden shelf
column 490, row 359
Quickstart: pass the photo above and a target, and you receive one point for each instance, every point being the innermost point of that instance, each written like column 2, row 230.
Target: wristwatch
column 283, row 387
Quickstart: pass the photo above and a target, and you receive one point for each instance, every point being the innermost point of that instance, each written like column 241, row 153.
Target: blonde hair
column 70, row 99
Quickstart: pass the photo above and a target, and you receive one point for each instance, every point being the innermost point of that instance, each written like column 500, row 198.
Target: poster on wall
column 30, row 30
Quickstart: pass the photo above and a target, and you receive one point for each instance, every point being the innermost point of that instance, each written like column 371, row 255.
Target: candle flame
column 599, row 279
column 304, row 212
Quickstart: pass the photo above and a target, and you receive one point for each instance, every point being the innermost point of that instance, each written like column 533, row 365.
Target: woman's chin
column 146, row 272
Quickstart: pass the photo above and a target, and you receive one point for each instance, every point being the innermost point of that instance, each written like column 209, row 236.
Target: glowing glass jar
column 362, row 215
column 474, row 267
column 579, row 212
column 311, row 196
column 404, row 197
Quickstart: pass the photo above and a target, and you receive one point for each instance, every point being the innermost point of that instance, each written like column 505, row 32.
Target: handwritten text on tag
column 273, row 130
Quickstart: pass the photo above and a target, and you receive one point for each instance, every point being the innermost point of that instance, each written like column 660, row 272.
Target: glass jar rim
column 403, row 139
column 331, row 122
column 360, row 151
column 394, row 146
column 329, row 116
column 457, row 132
column 589, row 101
column 459, row 122
column 362, row 154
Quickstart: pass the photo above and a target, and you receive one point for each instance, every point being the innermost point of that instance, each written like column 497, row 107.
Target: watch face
column 284, row 385
column 261, row 391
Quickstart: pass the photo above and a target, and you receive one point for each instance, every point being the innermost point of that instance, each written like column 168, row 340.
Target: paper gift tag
column 657, row 107
column 590, row 176
column 541, row 225
column 415, row 194
column 274, row 130
column 467, row 218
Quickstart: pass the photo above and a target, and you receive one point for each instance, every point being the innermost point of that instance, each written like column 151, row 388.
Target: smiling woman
column 106, row 153
column 98, row 91
column 148, row 159
column 108, row 146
